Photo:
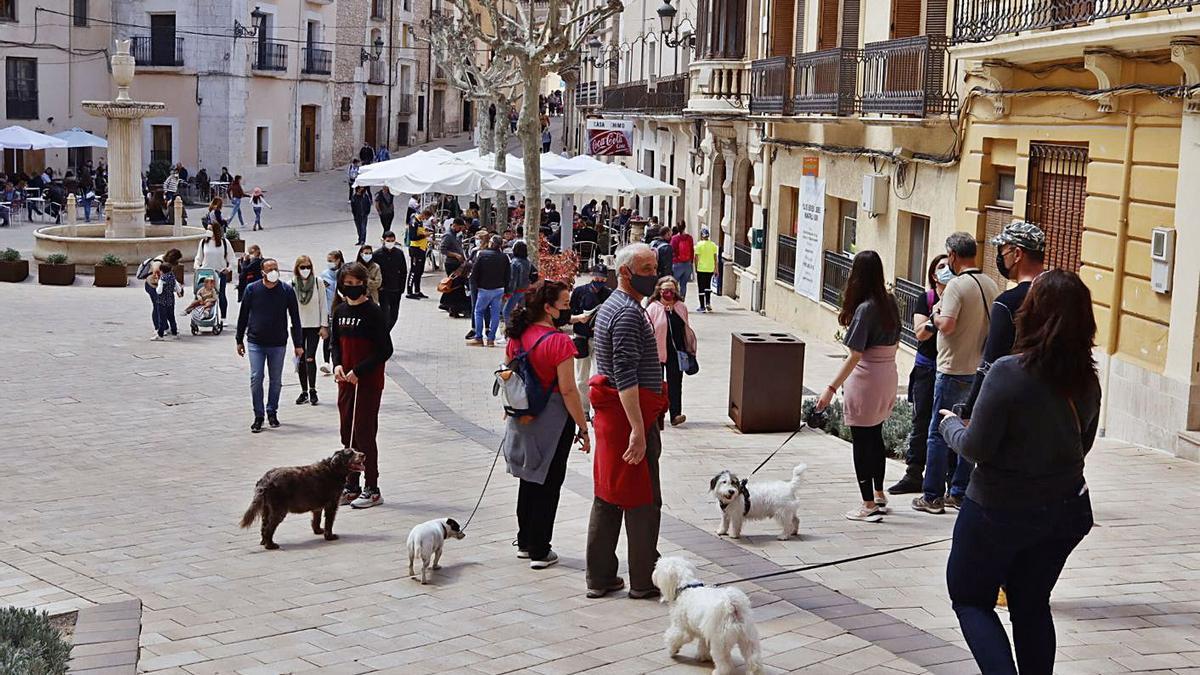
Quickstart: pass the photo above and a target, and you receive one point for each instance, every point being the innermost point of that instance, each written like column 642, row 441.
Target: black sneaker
column 303, row 398
column 273, row 420
column 349, row 494
column 907, row 486
column 312, row 397
column 256, row 425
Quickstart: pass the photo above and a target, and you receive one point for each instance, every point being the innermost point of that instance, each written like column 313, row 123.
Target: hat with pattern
column 1022, row 235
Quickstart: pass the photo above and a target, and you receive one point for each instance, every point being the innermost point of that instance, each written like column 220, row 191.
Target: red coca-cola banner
column 609, row 138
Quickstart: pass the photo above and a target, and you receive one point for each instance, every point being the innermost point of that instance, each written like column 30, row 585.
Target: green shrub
column 895, row 428
column 29, row 643
column 157, row 172
column 10, row 255
column 57, row 258
column 231, row 232
column 112, row 260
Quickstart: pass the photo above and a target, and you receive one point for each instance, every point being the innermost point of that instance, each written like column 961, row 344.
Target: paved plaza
column 128, row 463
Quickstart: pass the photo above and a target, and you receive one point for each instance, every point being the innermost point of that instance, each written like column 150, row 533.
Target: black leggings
column 870, row 459
column 537, row 505
column 308, row 363
column 704, row 281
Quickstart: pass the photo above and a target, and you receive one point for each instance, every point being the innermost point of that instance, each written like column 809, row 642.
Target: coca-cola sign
column 610, row 137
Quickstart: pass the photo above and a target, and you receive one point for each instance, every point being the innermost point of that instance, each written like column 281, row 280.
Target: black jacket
column 490, row 270
column 586, row 298
column 360, row 205
column 393, row 267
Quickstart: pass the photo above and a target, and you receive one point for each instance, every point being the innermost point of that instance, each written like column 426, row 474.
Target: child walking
column 257, row 202
column 167, row 289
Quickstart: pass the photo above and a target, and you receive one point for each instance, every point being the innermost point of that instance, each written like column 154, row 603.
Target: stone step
column 1188, row 446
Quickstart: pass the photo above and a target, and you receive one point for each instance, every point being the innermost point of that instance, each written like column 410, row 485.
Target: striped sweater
column 624, row 344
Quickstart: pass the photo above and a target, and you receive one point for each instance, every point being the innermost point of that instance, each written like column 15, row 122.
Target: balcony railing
column 317, row 61
column 835, row 270
column 741, row 255
column 376, row 74
column 587, row 94
column 983, row 20
column 785, row 259
column 670, row 95
column 152, row 51
column 906, row 77
column 771, row 86
column 824, row 82
column 270, row 56
column 907, row 294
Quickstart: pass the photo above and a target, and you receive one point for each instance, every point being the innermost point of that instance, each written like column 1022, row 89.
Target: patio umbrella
column 448, row 177
column 78, row 138
column 411, row 162
column 610, row 179
column 20, row 138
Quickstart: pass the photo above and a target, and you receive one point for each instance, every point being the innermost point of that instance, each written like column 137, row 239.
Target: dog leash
column 485, row 487
column 763, row 463
column 353, row 417
column 831, row 563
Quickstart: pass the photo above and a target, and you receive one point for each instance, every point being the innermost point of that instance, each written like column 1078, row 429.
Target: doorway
column 308, row 138
column 468, row 116
column 438, row 123
column 371, row 122
column 402, row 131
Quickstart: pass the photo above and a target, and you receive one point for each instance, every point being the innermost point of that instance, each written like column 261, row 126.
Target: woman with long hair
column 668, row 316
column 314, row 324
column 921, row 378
column 362, row 345
column 1027, row 505
column 366, row 255
column 872, row 322
column 236, row 194
column 536, row 449
column 334, row 262
column 213, row 215
column 215, row 253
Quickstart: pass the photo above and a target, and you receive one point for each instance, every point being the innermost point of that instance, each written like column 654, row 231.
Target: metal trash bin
column 766, row 382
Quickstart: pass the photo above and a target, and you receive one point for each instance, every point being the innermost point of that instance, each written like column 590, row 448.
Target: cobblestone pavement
column 128, row 463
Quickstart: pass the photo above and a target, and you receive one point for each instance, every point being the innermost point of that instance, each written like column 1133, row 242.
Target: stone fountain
column 123, row 230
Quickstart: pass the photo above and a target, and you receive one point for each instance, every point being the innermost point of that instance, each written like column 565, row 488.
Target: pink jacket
column 656, row 312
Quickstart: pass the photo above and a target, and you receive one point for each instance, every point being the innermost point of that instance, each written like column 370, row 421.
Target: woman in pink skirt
column 869, row 377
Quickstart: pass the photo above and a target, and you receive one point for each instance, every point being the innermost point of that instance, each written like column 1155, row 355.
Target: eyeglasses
column 306, row 267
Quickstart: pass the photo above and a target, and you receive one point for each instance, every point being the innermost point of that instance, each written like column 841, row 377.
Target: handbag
column 445, row 285
column 688, row 365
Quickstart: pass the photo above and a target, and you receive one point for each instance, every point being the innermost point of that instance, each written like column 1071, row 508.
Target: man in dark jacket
column 394, row 269
column 262, row 330
column 664, row 252
column 489, row 278
column 360, row 206
column 366, row 154
column 584, row 299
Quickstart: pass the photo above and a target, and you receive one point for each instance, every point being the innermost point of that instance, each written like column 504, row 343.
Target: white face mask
column 305, row 273
column 273, row 276
column 367, row 257
column 389, row 244
column 333, row 265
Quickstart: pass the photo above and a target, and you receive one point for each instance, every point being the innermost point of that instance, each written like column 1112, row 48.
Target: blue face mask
column 945, row 274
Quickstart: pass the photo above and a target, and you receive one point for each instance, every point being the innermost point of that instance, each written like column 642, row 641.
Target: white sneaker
column 157, row 338
column 326, row 371
column 369, row 497
column 864, row 515
column 550, row 560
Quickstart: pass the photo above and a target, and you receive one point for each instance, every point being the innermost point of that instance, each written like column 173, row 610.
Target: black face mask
column 353, row 292
column 563, row 318
column 1002, row 266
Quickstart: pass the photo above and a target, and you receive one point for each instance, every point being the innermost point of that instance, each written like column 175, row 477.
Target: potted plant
column 110, row 273
column 56, row 271
column 235, row 239
column 12, row 268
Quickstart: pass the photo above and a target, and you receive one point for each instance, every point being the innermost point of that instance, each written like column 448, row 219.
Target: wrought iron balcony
column 983, row 20
column 906, row 77
column 670, row 95
column 835, row 271
column 771, row 86
column 587, row 94
column 742, row 255
column 825, row 82
column 907, row 294
column 785, row 259
column 149, row 50
column 317, row 61
column 270, row 56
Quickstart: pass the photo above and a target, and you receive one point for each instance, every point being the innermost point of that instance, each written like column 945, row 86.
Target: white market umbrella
column 78, row 138
column 611, row 179
column 19, row 138
column 402, row 165
column 455, row 178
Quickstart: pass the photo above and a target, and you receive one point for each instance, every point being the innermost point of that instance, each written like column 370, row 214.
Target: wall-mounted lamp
column 672, row 36
column 364, row 55
column 593, row 55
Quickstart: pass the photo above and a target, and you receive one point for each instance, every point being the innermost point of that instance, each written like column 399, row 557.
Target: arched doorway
column 716, row 215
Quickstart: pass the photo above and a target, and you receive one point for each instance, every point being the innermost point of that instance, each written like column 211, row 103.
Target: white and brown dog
column 718, row 618
column 425, row 541
column 740, row 502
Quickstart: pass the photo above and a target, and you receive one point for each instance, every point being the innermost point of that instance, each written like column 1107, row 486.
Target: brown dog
column 302, row 489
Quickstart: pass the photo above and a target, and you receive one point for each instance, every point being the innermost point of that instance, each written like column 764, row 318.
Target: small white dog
column 769, row 499
column 426, row 540
column 719, row 618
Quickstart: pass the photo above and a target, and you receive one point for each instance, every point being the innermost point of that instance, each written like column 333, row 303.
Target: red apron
column 616, row 481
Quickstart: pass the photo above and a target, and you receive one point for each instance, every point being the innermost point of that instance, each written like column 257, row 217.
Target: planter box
column 56, row 275
column 238, row 245
column 15, row 271
column 111, row 276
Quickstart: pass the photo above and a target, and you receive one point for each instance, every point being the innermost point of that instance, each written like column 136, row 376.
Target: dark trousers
column 704, row 284
column 1023, row 550
column 154, row 316
column 641, row 531
column 389, row 302
column 674, row 381
column 385, row 219
column 920, row 395
column 166, row 318
column 537, row 505
column 364, row 417
column 870, row 459
column 307, row 369
column 416, row 258
column 222, row 301
column 360, row 225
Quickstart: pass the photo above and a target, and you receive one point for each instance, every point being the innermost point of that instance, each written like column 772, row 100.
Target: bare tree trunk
column 500, row 162
column 529, row 130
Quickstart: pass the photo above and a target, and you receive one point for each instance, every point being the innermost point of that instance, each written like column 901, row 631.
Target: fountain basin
column 88, row 245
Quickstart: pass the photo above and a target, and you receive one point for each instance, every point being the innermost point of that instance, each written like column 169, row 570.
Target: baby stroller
column 205, row 318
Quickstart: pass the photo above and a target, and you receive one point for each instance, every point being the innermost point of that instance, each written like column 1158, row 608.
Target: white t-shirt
column 217, row 257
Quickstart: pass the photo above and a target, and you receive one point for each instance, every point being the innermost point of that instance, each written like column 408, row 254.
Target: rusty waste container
column 766, row 382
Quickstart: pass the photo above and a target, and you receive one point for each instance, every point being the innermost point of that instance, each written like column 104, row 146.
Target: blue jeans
column 948, row 390
column 153, row 306
column 683, row 275
column 87, row 209
column 265, row 357
column 257, row 215
column 235, row 203
column 1023, row 550
column 514, row 301
column 166, row 318
column 489, row 299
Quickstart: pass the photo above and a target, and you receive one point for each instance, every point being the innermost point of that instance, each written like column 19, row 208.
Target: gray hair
column 628, row 252
column 961, row 244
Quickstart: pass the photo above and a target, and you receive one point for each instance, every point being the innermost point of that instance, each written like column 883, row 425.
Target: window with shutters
column 21, row 88
column 783, row 23
column 827, row 26
column 1057, row 192
column 721, row 29
column 906, row 18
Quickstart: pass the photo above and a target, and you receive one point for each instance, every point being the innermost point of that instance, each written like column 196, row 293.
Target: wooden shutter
column 850, row 12
column 906, row 18
column 799, row 30
column 996, row 218
column 782, row 25
column 1057, row 192
column 827, row 26
column 935, row 17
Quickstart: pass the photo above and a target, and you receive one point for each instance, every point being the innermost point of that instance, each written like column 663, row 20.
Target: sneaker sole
column 873, row 518
column 523, row 555
column 542, row 564
column 367, row 506
column 935, row 512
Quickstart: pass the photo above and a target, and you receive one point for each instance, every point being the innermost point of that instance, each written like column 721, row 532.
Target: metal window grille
column 835, row 272
column 907, row 294
column 1057, row 193
column 785, row 259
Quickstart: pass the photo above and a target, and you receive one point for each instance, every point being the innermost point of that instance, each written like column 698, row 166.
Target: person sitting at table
column 225, row 176
column 588, row 212
column 156, row 208
column 56, row 201
column 586, row 235
column 181, row 172
column 202, row 182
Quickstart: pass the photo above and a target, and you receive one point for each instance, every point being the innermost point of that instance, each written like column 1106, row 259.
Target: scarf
column 304, row 288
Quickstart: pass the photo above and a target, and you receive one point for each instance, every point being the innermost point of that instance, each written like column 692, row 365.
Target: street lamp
column 364, row 55
column 593, row 55
column 673, row 37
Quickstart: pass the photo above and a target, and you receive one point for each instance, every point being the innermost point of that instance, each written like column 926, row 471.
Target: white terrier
column 719, row 618
column 769, row 499
column 426, row 540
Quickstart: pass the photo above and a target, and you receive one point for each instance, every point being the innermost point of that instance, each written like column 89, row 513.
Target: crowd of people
column 46, row 192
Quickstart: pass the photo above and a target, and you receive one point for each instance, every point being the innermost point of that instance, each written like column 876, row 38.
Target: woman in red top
column 683, row 249
column 536, row 449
